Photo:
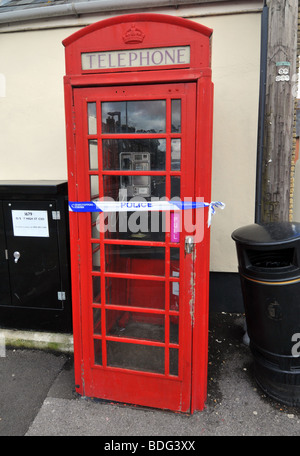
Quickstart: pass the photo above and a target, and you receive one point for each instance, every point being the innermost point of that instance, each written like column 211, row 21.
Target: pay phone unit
column 135, row 185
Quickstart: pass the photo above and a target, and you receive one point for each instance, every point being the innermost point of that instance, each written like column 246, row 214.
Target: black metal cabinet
column 34, row 256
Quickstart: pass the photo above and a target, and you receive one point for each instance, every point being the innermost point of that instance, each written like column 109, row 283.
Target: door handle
column 17, row 256
column 189, row 244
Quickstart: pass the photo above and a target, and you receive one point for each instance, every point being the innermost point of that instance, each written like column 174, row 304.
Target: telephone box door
column 135, row 143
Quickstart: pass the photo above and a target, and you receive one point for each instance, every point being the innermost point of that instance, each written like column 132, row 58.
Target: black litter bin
column 269, row 267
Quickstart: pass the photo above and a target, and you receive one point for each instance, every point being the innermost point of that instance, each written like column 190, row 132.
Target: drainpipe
column 261, row 113
column 86, row 7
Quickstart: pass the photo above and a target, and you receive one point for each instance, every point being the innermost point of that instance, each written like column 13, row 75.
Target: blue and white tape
column 131, row 206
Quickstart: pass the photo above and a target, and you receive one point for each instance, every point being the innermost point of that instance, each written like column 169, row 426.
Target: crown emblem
column 133, row 35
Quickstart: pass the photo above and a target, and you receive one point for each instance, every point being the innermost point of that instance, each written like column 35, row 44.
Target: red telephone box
column 138, row 96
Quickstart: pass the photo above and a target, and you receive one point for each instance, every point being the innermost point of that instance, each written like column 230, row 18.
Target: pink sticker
column 175, row 226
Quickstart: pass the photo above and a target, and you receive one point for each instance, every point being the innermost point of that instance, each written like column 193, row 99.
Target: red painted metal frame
column 161, row 31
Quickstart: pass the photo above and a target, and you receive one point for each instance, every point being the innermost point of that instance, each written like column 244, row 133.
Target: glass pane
column 135, row 292
column 174, row 261
column 175, row 187
column 174, row 329
column 94, row 187
column 135, row 325
column 96, row 290
column 93, row 154
column 176, row 116
column 135, row 259
column 98, row 351
column 96, row 257
column 136, row 185
column 134, row 154
column 175, row 154
column 135, row 226
column 92, row 119
column 138, row 225
column 121, row 187
column 95, row 232
column 97, row 320
column 135, row 356
column 134, row 116
column 174, row 296
column 173, row 355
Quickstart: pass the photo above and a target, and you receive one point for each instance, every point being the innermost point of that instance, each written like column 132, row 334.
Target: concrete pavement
column 37, row 399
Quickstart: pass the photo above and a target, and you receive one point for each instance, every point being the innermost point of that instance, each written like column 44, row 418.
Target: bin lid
column 267, row 233
column 20, row 188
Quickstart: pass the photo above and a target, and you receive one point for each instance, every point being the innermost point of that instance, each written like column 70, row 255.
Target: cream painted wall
column 236, row 68
column 32, row 125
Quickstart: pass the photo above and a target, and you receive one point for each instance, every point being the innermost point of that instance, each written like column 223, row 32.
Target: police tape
column 132, row 206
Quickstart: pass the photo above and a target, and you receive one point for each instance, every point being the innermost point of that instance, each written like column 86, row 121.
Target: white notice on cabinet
column 30, row 223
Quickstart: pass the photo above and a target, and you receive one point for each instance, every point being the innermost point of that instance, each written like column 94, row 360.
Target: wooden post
column 278, row 111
